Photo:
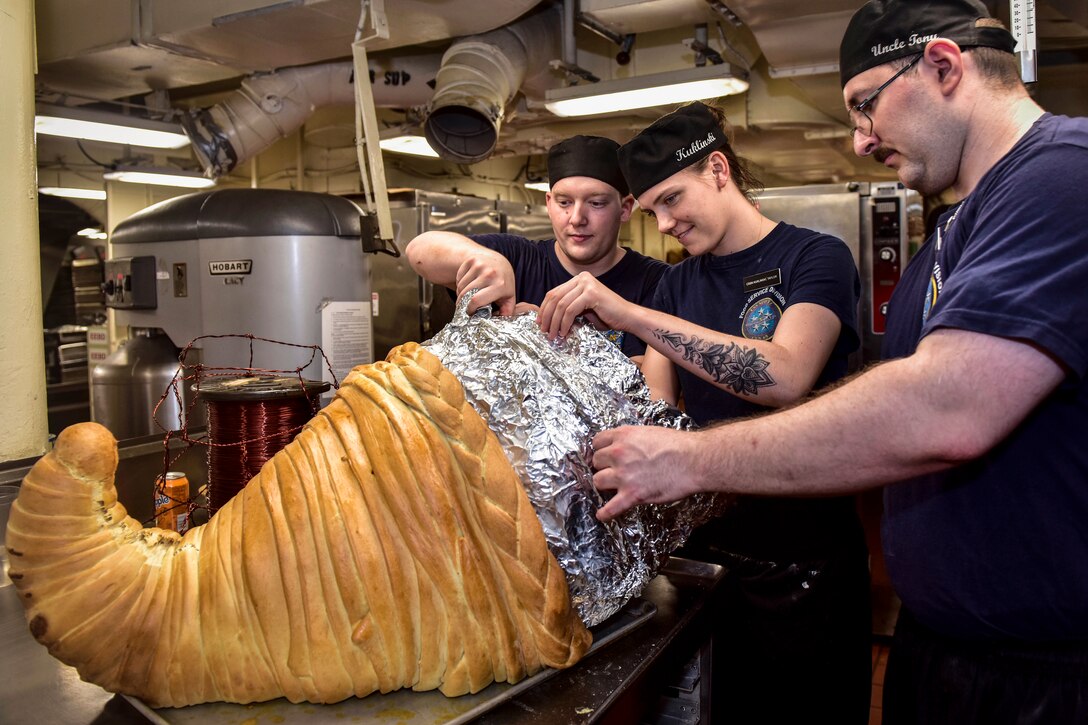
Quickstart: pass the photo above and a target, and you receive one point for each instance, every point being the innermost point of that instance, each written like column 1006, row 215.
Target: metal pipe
column 587, row 22
column 700, row 39
column 570, row 46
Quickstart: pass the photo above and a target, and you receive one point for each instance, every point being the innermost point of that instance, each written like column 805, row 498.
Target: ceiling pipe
column 272, row 106
column 570, row 48
column 568, row 62
column 479, row 77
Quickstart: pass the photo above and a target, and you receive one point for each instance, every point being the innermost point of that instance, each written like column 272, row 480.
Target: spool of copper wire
column 249, row 420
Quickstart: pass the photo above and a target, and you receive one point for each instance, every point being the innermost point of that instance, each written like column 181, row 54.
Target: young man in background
column 587, row 203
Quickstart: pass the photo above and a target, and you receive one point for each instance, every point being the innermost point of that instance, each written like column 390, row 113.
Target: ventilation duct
column 271, row 106
column 472, row 82
column 479, row 76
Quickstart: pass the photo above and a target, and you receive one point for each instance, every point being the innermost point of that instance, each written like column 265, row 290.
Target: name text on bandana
column 696, row 145
column 898, row 44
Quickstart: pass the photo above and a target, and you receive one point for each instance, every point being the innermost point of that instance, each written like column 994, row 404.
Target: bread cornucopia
column 390, row 545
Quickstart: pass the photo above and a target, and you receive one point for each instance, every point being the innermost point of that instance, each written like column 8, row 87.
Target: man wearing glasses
column 978, row 422
column 859, row 112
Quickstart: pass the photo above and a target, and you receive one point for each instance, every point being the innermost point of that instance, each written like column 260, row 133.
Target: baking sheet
column 417, row 708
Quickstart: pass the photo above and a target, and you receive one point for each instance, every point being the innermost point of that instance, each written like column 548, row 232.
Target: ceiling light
column 91, row 233
column 73, row 193
column 414, row 145
column 658, row 89
column 538, row 186
column 159, row 177
column 94, row 125
column 826, row 133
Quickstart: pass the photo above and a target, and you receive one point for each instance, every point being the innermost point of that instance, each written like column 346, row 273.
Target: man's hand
column 582, row 295
column 644, row 464
column 491, row 274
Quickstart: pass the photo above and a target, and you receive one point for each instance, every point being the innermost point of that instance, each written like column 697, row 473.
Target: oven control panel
column 887, row 218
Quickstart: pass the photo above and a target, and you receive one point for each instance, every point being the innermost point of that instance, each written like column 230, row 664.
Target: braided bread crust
column 389, row 545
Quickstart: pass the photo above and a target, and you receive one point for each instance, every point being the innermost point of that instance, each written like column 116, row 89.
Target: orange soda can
column 172, row 502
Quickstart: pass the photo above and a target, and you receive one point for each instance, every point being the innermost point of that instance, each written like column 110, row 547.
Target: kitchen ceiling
column 194, row 54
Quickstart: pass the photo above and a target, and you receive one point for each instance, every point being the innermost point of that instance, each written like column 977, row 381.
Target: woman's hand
column 582, row 295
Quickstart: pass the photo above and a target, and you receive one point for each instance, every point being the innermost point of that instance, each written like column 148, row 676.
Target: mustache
column 881, row 154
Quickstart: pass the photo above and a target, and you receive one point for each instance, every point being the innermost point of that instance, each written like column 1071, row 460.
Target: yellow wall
column 23, row 422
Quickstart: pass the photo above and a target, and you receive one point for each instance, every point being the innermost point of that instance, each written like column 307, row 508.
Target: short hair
column 997, row 66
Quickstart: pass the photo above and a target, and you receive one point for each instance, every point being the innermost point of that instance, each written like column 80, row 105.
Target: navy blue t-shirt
column 998, row 548
column 537, row 270
column 744, row 294
column 711, row 291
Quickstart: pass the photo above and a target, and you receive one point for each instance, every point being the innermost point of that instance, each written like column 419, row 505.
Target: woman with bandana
column 761, row 314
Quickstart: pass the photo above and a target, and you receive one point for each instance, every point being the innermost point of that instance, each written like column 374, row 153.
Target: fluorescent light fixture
column 657, row 89
column 538, row 186
column 73, row 193
column 159, row 177
column 414, row 145
column 94, row 125
column 826, row 133
column 91, row 233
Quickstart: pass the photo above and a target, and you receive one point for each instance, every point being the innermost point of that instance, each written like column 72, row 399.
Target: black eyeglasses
column 859, row 117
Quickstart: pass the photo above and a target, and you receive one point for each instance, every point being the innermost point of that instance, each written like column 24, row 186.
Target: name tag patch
column 759, row 280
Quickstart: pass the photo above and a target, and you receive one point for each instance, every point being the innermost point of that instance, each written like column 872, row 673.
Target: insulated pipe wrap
column 479, row 76
column 473, row 82
column 272, row 106
column 476, row 81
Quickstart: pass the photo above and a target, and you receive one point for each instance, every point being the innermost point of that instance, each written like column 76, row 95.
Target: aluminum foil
column 545, row 401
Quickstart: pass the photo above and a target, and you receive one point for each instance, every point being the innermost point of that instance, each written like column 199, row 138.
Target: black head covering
column 883, row 30
column 591, row 156
column 670, row 144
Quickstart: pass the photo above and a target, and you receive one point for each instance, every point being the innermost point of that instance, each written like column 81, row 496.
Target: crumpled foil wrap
column 545, row 401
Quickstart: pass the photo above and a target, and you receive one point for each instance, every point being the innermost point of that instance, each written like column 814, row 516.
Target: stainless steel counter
column 627, row 679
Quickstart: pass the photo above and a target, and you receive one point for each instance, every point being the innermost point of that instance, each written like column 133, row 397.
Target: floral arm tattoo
column 742, row 369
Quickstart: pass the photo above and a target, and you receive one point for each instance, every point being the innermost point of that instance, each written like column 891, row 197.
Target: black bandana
column 670, row 144
column 591, row 156
column 884, row 30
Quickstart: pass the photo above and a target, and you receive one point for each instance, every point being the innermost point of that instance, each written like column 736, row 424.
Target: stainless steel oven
column 878, row 221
